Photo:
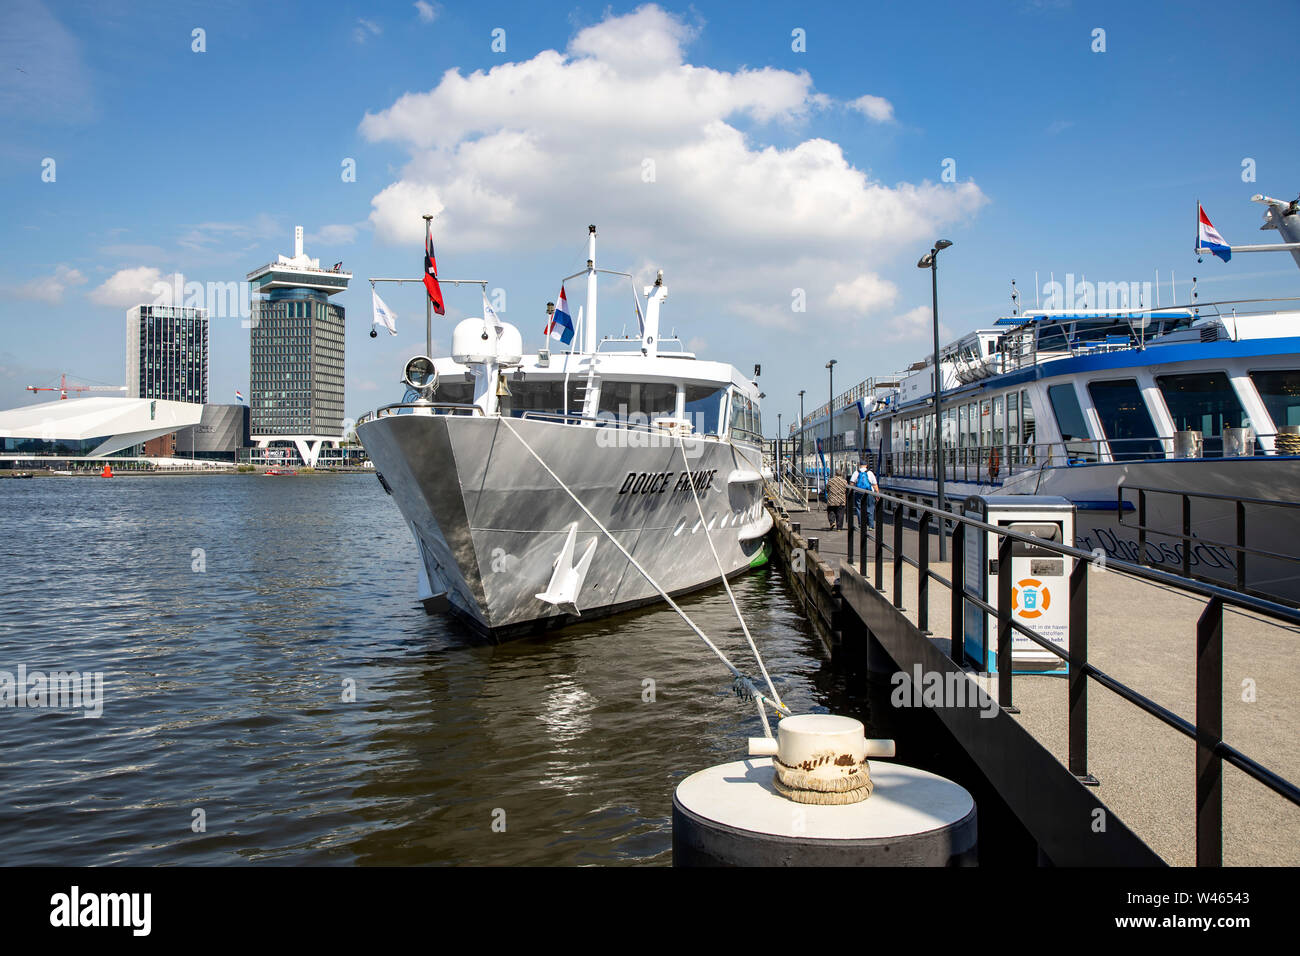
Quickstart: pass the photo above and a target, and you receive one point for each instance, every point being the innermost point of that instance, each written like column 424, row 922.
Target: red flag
column 431, row 273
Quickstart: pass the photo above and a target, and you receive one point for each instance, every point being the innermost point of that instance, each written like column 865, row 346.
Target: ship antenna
column 1015, row 298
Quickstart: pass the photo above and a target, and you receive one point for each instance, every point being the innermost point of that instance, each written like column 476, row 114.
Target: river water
column 235, row 618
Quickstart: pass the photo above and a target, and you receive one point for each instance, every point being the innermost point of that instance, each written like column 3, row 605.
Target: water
column 224, row 690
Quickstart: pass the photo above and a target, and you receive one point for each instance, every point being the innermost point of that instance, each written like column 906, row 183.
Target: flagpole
column 428, row 303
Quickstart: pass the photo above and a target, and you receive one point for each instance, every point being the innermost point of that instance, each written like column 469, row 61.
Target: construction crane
column 63, row 388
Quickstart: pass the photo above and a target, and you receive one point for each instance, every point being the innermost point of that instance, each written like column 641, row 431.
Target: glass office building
column 167, row 353
column 296, row 353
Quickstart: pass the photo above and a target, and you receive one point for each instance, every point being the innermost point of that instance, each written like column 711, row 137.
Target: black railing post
column 862, row 539
column 1078, row 689
column 880, row 544
column 898, row 555
column 957, row 613
column 1241, row 546
column 1187, row 536
column 1209, row 733
column 1142, row 526
column 1004, row 623
column 923, row 573
column 848, row 506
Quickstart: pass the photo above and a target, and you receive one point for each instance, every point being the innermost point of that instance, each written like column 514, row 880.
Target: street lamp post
column 780, row 475
column 803, row 476
column 931, row 261
column 830, row 421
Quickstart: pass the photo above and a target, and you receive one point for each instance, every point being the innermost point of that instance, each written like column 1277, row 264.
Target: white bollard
column 735, row 815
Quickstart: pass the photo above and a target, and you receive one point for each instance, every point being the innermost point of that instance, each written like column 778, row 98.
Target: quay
column 1093, row 778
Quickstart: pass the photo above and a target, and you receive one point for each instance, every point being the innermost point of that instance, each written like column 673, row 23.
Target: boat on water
column 279, row 473
column 1174, row 431
column 549, row 486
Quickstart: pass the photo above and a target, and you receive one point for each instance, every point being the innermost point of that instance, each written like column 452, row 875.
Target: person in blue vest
column 866, row 504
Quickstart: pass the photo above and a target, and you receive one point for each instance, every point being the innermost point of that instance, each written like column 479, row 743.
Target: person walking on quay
column 836, row 489
column 866, row 480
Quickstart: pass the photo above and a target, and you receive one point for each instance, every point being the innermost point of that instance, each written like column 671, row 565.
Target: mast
column 589, row 332
column 655, row 294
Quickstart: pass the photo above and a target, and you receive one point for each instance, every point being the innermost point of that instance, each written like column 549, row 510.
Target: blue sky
column 771, row 173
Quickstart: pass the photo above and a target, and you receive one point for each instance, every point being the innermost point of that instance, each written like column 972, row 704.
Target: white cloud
column 426, row 11
column 49, row 289
column 365, row 29
column 201, row 237
column 504, row 157
column 128, row 287
column 873, row 107
column 335, row 234
column 865, row 293
column 914, row 325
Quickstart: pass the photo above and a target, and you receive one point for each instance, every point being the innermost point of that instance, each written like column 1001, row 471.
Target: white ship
column 1175, row 431
column 535, row 484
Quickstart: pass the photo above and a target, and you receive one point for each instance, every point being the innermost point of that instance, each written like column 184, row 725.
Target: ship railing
column 632, row 343
column 652, row 427
column 1217, row 306
column 435, row 408
column 1207, row 729
column 994, row 464
column 1130, row 498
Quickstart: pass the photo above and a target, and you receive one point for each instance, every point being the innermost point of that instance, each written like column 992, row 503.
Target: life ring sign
column 1030, row 598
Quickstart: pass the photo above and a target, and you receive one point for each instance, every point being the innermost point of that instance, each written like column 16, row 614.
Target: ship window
column 531, row 395
column 1125, row 420
column 458, row 393
column 1027, row 420
column 1013, row 430
column 638, row 401
column 1203, row 402
column 1069, row 416
column 704, row 407
column 1280, row 391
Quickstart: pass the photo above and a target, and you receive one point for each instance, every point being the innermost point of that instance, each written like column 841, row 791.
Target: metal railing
column 1207, row 731
column 437, row 408
column 991, row 464
column 1185, row 536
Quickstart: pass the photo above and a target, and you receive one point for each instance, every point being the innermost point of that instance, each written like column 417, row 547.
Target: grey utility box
column 1040, row 579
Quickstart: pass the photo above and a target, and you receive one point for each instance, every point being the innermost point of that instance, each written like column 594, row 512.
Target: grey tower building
column 167, row 353
column 296, row 354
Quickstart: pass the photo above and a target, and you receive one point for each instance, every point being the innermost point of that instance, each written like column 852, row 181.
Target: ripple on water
column 224, row 690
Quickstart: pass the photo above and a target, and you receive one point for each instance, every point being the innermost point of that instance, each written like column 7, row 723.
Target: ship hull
column 491, row 523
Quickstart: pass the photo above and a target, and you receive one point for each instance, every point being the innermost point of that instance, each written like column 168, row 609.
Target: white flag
column 489, row 313
column 383, row 314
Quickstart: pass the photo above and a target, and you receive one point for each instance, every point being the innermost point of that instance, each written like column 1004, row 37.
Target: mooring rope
column 753, row 691
column 681, row 443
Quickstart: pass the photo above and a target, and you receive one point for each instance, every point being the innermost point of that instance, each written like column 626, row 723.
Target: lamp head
column 926, row 261
column 942, row 244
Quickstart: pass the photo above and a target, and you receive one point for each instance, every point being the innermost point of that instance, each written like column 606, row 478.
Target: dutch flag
column 1207, row 237
column 239, row 396
column 561, row 324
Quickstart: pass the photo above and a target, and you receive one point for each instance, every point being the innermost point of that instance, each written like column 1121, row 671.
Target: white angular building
column 90, row 427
